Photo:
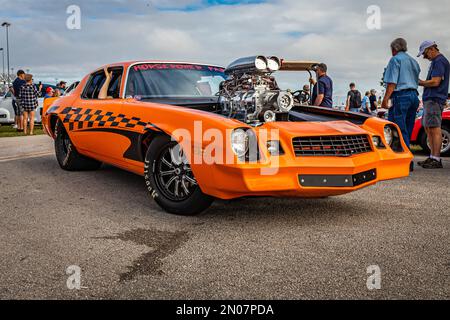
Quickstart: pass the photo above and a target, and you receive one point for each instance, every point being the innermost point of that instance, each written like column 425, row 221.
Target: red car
column 419, row 136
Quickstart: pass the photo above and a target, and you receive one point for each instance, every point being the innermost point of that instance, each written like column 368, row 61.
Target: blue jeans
column 354, row 109
column 403, row 112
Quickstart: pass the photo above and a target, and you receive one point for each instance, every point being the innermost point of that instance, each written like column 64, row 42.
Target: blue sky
column 206, row 4
column 219, row 31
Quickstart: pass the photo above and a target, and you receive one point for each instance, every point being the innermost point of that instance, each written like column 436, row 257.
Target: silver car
column 7, row 110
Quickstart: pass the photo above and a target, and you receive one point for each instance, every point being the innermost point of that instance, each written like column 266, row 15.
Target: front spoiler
column 234, row 181
column 324, row 181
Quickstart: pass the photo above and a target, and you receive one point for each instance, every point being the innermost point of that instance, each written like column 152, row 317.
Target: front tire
column 170, row 180
column 68, row 157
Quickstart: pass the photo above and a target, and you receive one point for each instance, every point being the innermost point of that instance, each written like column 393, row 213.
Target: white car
column 7, row 110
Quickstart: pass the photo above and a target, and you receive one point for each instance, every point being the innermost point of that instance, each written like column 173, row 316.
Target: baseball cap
column 425, row 45
column 49, row 89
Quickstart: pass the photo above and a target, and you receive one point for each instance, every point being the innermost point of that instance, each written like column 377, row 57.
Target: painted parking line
column 26, row 156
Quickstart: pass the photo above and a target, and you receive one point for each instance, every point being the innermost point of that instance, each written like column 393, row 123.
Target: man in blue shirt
column 402, row 80
column 435, row 96
column 17, row 85
column 322, row 95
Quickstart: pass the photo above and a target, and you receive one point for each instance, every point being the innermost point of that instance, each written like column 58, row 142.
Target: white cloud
column 332, row 31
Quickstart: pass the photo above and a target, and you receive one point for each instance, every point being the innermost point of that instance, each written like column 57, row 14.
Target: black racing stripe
column 106, row 120
column 66, row 110
column 134, row 150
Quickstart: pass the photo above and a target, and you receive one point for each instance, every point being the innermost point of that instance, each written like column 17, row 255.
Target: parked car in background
column 7, row 111
column 419, row 136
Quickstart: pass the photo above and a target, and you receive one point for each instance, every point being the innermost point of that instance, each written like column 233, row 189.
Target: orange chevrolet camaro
column 197, row 132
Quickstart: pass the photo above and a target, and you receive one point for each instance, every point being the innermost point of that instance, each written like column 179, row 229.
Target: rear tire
column 67, row 155
column 170, row 180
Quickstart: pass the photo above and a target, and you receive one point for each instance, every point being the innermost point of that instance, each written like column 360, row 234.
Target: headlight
column 239, row 142
column 388, row 135
column 393, row 138
column 273, row 64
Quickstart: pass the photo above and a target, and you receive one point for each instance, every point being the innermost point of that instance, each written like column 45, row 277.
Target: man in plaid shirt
column 29, row 102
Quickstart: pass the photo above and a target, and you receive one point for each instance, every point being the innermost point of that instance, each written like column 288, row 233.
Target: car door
column 92, row 124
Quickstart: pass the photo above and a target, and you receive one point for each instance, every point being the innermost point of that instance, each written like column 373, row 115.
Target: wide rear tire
column 170, row 180
column 67, row 155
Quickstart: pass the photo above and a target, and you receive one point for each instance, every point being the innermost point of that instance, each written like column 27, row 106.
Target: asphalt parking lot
column 105, row 223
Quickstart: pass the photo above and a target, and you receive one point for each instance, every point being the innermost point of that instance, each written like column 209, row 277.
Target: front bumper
column 283, row 177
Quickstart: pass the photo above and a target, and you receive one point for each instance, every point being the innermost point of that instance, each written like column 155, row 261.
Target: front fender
column 193, row 129
column 6, row 116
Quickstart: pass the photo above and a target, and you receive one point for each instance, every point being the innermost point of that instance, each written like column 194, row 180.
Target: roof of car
column 130, row 63
column 293, row 65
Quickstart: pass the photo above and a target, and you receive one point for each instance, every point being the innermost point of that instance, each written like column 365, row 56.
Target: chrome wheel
column 174, row 175
column 445, row 141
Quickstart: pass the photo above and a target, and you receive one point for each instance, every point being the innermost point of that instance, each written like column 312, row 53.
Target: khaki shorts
column 432, row 114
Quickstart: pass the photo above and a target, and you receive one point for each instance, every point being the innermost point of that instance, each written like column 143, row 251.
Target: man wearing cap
column 435, row 94
column 402, row 79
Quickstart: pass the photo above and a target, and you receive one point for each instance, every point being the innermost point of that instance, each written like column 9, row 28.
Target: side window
column 98, row 79
column 94, row 85
column 114, row 86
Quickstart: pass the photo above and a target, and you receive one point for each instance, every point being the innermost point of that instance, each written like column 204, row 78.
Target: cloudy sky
column 219, row 31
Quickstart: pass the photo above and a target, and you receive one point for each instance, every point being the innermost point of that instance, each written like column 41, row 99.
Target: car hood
column 329, row 128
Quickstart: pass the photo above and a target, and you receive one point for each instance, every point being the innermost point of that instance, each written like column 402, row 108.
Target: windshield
column 165, row 80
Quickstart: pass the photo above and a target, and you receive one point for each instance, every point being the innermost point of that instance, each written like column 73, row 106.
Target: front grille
column 337, row 146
